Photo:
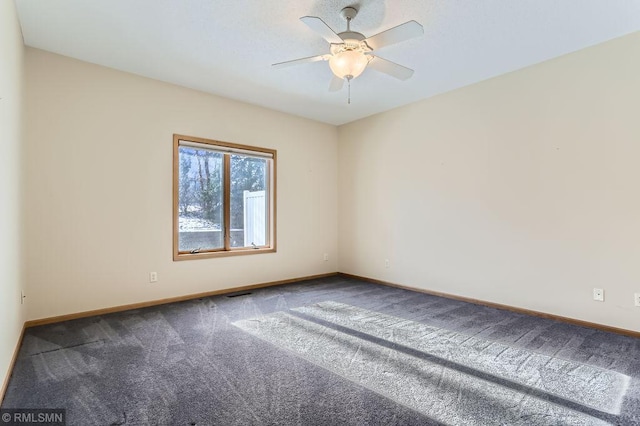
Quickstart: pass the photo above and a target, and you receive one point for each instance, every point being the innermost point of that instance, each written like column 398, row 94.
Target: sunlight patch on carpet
column 436, row 390
column 594, row 387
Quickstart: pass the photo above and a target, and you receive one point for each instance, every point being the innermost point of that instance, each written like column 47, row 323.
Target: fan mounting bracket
column 348, row 13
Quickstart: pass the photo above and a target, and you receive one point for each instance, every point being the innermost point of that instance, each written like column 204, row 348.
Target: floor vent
column 239, row 294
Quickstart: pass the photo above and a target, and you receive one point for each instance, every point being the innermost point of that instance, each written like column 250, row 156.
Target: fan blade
column 320, row 27
column 394, row 35
column 390, row 68
column 300, row 61
column 336, row 84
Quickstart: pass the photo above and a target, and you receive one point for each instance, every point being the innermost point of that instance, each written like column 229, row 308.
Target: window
column 223, row 199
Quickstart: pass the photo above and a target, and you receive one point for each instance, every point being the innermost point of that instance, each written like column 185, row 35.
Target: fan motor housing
column 351, row 35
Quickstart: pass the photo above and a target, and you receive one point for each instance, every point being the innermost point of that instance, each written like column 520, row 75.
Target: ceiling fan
column 352, row 52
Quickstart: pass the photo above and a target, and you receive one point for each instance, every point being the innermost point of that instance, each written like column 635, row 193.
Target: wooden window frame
column 230, row 148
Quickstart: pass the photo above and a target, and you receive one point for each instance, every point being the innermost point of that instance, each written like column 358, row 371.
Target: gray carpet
column 328, row 351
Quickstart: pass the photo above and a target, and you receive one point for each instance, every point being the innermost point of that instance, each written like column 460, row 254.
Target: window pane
column 200, row 198
column 223, row 199
column 249, row 205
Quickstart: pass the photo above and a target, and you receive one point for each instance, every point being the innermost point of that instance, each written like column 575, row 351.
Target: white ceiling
column 226, row 47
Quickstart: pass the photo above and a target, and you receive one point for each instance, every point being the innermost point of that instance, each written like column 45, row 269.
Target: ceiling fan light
column 349, row 63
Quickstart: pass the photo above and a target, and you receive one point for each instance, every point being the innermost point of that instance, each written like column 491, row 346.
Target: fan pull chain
column 349, row 91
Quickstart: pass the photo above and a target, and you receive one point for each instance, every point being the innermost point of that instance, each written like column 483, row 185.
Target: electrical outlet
column 598, row 294
column 153, row 277
column 326, row 257
column 386, row 263
column 636, row 298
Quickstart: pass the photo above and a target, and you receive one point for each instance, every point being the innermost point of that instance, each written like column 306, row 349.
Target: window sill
column 225, row 253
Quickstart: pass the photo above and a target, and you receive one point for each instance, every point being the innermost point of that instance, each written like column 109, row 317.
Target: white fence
column 255, row 212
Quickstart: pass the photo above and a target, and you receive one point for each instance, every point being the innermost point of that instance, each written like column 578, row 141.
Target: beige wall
column 521, row 190
column 99, row 203
column 518, row 190
column 11, row 61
